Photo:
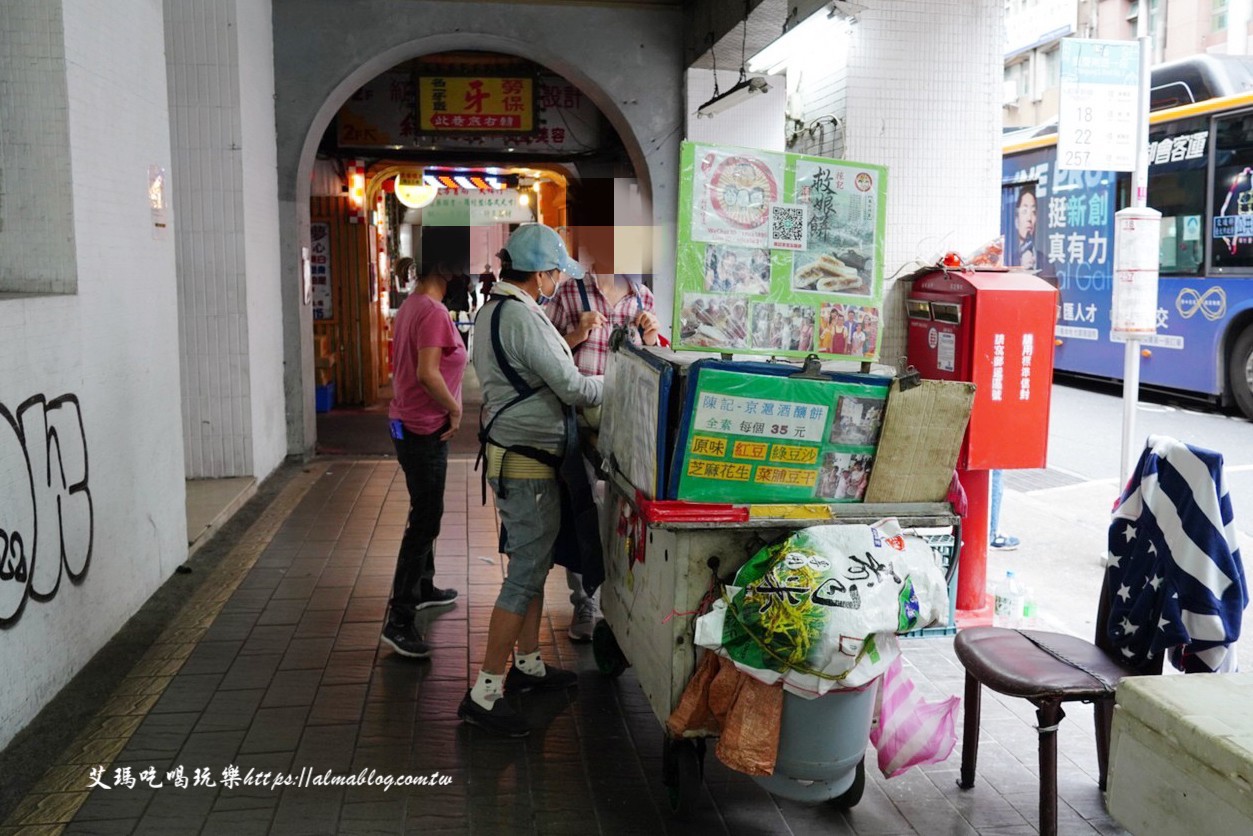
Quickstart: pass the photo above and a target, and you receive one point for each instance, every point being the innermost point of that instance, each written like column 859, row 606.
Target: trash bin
column 822, row 746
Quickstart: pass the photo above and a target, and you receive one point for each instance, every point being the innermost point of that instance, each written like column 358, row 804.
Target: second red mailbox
column 993, row 327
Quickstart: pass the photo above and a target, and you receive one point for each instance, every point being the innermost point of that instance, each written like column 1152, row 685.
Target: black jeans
column 424, row 459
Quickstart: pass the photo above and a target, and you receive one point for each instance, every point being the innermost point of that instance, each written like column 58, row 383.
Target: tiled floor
column 275, row 668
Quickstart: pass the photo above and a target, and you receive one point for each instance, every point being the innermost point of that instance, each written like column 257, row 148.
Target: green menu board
column 779, row 254
column 765, row 438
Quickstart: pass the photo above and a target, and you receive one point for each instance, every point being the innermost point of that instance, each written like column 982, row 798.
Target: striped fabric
column 911, row 731
column 1175, row 573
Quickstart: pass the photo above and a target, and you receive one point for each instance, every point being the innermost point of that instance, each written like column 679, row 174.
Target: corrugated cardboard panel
column 922, row 434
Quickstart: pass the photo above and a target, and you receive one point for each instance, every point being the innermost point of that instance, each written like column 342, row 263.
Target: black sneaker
column 502, row 719
column 437, row 597
column 554, row 679
column 406, row 641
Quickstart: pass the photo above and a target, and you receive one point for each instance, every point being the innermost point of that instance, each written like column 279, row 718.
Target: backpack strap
column 524, row 391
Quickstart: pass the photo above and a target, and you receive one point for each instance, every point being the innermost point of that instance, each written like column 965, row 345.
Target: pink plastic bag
column 911, row 731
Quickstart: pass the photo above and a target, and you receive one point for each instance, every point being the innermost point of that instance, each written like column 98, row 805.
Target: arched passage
column 319, row 65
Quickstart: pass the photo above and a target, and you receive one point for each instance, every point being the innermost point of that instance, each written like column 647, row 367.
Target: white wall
column 112, row 347
column 756, row 122
column 259, row 161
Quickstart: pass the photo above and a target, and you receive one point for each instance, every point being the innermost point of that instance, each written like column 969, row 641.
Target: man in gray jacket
column 530, row 383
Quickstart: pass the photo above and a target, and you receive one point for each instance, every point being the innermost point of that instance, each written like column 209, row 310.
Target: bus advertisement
column 1060, row 223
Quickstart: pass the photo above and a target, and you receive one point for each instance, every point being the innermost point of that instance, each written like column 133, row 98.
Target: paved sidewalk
column 275, row 667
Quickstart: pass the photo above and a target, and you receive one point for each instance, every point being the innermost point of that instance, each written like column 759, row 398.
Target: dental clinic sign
column 476, row 208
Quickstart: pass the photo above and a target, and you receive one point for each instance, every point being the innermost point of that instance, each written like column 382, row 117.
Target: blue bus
column 1061, row 224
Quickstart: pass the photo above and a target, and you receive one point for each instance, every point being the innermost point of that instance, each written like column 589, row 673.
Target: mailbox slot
column 950, row 312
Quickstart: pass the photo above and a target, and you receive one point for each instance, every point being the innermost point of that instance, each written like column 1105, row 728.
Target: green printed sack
column 820, row 610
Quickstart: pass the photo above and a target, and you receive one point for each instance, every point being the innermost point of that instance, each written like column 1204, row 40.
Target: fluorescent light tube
column 740, row 92
column 802, row 37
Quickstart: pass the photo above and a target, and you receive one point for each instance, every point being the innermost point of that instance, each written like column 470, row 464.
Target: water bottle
column 1008, row 602
column 1030, row 614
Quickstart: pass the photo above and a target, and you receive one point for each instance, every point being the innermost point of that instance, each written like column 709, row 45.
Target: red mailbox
column 993, row 327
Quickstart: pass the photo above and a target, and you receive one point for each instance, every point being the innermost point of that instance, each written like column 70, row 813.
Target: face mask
column 545, row 299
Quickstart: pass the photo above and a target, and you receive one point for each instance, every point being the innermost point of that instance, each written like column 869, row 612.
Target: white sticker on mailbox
column 946, row 355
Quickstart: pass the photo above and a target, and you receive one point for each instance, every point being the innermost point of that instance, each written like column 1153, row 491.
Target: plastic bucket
column 821, row 742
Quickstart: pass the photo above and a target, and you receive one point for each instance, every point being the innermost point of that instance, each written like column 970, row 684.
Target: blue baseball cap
column 534, row 248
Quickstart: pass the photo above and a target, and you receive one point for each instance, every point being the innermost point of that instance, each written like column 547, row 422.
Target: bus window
column 1177, row 170
column 1231, row 234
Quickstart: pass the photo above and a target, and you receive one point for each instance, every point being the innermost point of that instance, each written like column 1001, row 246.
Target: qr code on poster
column 787, row 227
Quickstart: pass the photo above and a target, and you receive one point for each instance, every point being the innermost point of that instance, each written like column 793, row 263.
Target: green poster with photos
column 779, row 254
column 767, row 439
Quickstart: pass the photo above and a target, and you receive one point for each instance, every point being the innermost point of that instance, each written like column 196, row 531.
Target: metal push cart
column 658, row 568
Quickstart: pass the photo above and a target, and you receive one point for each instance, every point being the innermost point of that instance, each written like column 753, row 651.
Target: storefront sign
column 759, row 438
column 320, row 270
column 475, row 104
column 476, row 208
column 779, row 254
column 383, row 114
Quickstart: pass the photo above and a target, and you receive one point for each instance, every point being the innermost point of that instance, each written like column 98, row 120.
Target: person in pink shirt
column 429, row 361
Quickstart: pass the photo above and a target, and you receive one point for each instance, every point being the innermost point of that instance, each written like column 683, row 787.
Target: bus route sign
column 1096, row 120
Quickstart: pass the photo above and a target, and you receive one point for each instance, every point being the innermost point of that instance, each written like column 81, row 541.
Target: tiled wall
column 225, row 193
column 918, row 92
column 36, row 205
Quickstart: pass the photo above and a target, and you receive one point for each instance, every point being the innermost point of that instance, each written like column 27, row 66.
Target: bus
column 1060, row 223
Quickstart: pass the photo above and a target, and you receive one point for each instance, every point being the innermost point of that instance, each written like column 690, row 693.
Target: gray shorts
column 531, row 514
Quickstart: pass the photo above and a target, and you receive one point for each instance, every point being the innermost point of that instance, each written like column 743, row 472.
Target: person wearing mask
column 586, row 312
column 425, row 413
column 530, row 387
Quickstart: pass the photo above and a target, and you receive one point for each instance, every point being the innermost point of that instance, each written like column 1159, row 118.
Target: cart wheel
column 605, row 650
column 852, row 795
column 682, row 774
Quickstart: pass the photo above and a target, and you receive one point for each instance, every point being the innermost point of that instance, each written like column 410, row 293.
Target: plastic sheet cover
column 770, row 438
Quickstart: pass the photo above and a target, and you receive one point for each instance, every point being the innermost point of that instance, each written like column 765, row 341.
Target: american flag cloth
column 1175, row 575
column 567, row 305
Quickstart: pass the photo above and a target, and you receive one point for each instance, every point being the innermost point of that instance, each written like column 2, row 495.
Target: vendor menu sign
column 779, row 254
column 759, row 438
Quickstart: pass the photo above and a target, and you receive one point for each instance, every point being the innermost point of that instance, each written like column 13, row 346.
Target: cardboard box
column 922, row 434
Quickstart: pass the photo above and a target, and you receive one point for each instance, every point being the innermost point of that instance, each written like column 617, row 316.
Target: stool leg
column 970, row 733
column 1104, row 716
column 1048, row 715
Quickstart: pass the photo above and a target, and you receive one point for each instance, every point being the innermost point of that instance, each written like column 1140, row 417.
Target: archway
column 648, row 154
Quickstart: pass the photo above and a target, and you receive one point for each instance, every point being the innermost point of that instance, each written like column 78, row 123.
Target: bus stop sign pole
column 1136, row 262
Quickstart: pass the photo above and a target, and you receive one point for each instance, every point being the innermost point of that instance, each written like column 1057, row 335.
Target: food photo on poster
column 782, row 239
column 714, row 321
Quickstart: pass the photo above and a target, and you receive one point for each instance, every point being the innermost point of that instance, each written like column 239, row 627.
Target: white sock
column 487, row 689
column 530, row 663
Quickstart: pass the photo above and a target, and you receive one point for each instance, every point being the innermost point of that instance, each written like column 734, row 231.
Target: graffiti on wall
column 46, row 524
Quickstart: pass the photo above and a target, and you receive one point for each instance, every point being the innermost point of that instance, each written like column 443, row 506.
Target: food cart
column 684, row 510
column 706, row 460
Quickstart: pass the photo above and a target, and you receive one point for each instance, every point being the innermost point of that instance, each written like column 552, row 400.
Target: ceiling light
column 739, row 93
column 811, row 35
